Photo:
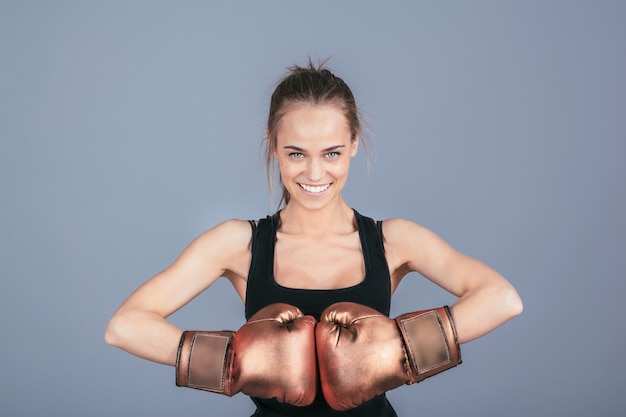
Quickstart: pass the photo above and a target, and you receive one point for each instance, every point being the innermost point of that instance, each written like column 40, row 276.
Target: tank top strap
column 261, row 241
column 379, row 230
column 253, row 239
column 379, row 280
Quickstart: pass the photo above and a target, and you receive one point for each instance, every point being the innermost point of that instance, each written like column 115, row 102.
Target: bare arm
column 486, row 299
column 139, row 326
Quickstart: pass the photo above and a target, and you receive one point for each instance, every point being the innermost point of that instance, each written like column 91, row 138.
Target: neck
column 335, row 218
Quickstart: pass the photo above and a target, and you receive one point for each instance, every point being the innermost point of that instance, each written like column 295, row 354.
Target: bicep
column 423, row 251
column 486, row 298
column 196, row 268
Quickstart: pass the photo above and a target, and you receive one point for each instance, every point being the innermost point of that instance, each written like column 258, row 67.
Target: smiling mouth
column 315, row 189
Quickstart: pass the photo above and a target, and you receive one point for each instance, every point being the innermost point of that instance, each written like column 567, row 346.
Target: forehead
column 304, row 122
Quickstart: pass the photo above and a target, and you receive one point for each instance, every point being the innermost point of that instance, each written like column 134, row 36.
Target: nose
column 315, row 169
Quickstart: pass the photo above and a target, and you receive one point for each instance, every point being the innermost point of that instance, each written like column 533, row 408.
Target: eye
column 333, row 154
column 296, row 155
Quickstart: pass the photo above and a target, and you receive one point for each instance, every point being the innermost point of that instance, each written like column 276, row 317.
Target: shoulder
column 223, row 241
column 394, row 225
column 398, row 230
column 230, row 232
column 409, row 239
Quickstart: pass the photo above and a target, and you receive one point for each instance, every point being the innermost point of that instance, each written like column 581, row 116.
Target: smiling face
column 314, row 145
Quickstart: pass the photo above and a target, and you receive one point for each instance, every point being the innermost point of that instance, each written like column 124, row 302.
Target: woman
column 315, row 252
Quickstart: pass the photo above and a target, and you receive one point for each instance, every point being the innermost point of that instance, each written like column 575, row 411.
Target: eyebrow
column 330, row 149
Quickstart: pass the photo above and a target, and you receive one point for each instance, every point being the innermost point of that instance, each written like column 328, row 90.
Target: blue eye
column 333, row 154
column 296, row 155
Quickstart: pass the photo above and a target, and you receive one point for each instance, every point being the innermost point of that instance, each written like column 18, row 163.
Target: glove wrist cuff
column 203, row 360
column 431, row 342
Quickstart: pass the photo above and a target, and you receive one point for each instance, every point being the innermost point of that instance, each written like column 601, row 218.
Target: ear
column 354, row 147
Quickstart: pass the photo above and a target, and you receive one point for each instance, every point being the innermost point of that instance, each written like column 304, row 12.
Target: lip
column 310, row 188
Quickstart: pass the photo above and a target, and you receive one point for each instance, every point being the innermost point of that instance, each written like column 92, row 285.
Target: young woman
column 316, row 280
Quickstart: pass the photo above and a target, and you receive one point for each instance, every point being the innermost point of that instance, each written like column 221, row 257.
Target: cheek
column 341, row 168
column 286, row 169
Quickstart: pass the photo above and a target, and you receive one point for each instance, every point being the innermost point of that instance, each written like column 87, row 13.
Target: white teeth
column 314, row 189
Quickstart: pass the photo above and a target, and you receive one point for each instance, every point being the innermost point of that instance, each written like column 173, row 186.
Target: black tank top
column 374, row 291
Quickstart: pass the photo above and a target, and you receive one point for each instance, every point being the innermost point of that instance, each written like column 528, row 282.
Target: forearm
column 145, row 334
column 481, row 310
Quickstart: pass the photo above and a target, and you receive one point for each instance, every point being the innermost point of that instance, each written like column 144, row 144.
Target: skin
column 313, row 148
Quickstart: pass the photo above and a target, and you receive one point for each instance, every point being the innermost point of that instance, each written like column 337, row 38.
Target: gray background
column 130, row 127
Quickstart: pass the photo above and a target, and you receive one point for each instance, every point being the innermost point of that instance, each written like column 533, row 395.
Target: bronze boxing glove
column 271, row 356
column 363, row 353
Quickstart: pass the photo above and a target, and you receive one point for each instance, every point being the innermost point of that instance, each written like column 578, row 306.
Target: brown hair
column 315, row 85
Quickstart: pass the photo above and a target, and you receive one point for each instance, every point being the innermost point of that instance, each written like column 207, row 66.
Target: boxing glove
column 270, row 356
column 363, row 353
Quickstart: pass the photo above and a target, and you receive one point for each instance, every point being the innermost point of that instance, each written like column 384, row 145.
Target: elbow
column 513, row 303
column 113, row 332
